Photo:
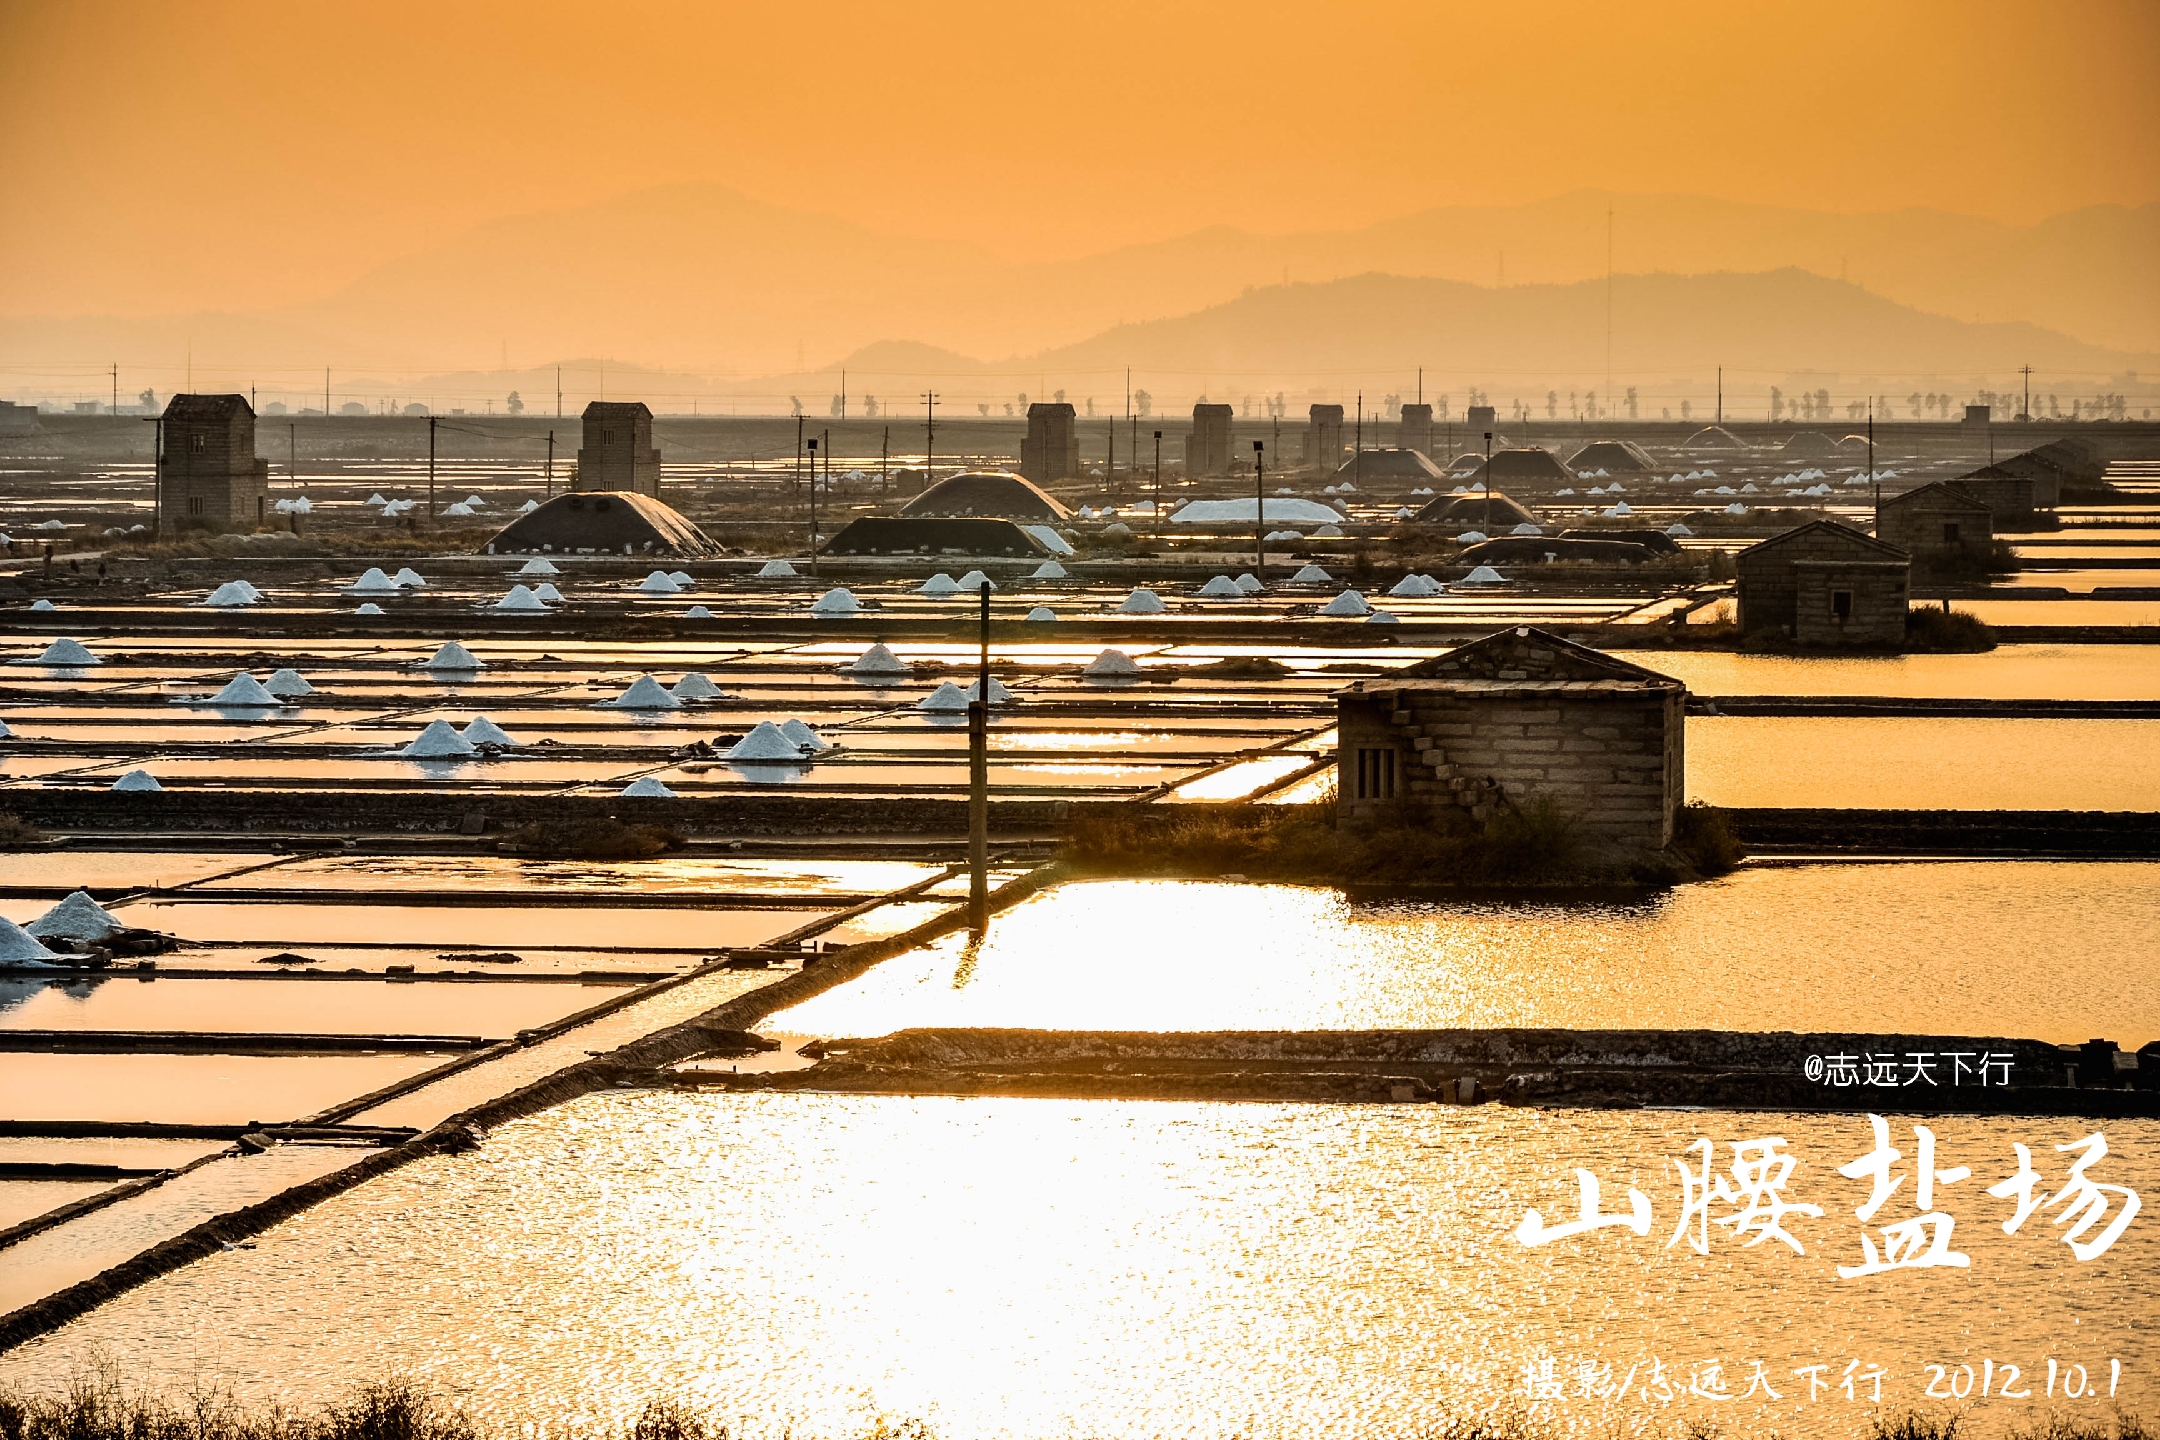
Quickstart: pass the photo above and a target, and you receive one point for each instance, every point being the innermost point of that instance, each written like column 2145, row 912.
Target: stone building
column 1051, row 450
column 1825, row 584
column 1520, row 716
column 1414, row 430
column 1937, row 524
column 1323, row 439
column 1207, row 448
column 207, row 472
column 618, row 452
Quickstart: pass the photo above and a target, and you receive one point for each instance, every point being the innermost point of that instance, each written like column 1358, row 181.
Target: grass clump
column 1949, row 632
column 603, row 839
column 2057, row 1427
column 1703, row 838
column 17, row 833
column 1914, row 1425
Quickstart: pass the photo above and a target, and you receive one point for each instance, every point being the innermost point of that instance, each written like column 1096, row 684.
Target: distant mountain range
column 702, row 280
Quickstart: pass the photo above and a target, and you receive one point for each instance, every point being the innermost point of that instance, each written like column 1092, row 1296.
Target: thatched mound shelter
column 602, row 522
column 1532, row 550
column 987, row 492
column 935, row 535
column 1614, row 457
column 1474, row 510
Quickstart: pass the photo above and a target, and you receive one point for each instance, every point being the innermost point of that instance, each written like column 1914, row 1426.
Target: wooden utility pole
column 1259, row 514
column 884, row 463
column 979, row 781
column 548, row 481
column 431, row 465
column 813, row 508
column 930, row 399
column 292, row 453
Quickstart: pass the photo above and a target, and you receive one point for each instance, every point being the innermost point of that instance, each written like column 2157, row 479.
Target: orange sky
column 166, row 157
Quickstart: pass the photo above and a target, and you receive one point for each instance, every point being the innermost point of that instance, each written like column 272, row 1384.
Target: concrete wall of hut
column 1935, row 527
column 1769, row 592
column 1876, row 605
column 1616, row 761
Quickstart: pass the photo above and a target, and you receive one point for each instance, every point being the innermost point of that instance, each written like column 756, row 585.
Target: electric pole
column 431, row 463
column 813, row 508
column 1488, row 484
column 548, row 478
column 292, row 453
column 930, row 399
column 2027, row 415
column 979, row 781
column 1158, row 476
column 1259, row 514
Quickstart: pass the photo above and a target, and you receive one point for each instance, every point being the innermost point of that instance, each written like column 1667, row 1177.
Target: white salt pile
column 522, row 600
column 409, row 577
column 5, row 732
column 946, row 698
column 765, row 744
column 244, row 692
column 1471, row 537
column 1283, row 537
column 460, row 510
column 1142, row 602
column 1117, row 527
column 697, row 612
column 1221, row 587
column 373, row 582
column 452, row 656
column 1249, row 584
column 999, row 695
column 1404, row 512
column 1311, row 575
column 837, row 601
column 660, row 583
column 973, row 582
column 683, row 578
column 76, row 918
column 1048, row 570
column 1526, row 528
column 371, row 608
column 377, row 499
column 878, row 660
column 1483, row 575
column 483, row 731
column 1347, row 603
column 1041, row 613
column 808, row 739
column 776, row 570
column 528, row 507
column 41, row 605
column 232, row 593
column 1615, row 511
column 475, row 501
column 67, row 652
column 644, row 693
column 439, row 741
column 1736, row 508
column 539, row 566
column 19, row 947
column 1414, row 587
column 694, row 688
column 939, row 584
column 648, row 788
column 1111, row 663
column 137, row 782
column 1328, row 532
column 547, row 591
column 1381, row 617
column 1676, row 529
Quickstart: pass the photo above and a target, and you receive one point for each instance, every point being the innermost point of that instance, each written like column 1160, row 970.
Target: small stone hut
column 618, row 452
column 207, row 472
column 1936, row 523
column 1323, row 438
column 1519, row 716
column 1051, row 449
column 1825, row 584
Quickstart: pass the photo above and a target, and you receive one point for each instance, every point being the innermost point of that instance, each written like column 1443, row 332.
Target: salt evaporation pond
column 1006, row 1267
column 2009, row 672
column 276, row 1005
column 2060, row 952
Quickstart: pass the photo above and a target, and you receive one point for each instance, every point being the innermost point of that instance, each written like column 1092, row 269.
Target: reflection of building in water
column 1207, row 448
column 1051, row 450
column 1824, row 584
column 1517, row 717
column 618, row 452
column 208, row 476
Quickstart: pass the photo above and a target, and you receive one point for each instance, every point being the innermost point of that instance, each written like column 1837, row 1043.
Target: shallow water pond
column 288, row 1006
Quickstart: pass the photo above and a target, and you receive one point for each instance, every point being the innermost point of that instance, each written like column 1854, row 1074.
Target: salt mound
column 371, row 608
column 5, row 732
column 1526, row 528
column 648, row 788
column 1311, row 575
column 539, row 566
column 697, row 612
column 475, row 501
column 1676, row 529
column 1404, row 512
column 243, row 692
column 460, row 510
column 1471, row 537
column 683, row 578
column 483, row 731
column 373, row 582
column 644, row 694
column 1249, row 584
column 68, row 652
column 452, row 656
column 694, row 686
column 947, row 697
column 660, row 583
column 765, row 743
column 1616, row 511
column 1328, row 532
column 1414, row 587
column 1142, row 602
column 377, row 499
column 76, row 918
column 1117, row 527
column 1483, row 575
column 547, row 591
column 837, row 601
column 19, row 947
column 137, row 782
column 1221, row 587
column 528, row 507
column 41, row 604
column 939, row 584
column 1282, row 537
column 973, row 582
column 1381, row 617
column 1041, row 613
column 1048, row 570
column 999, row 695
column 1736, row 508
column 521, row 599
column 879, row 660
column 1111, row 663
column 776, row 570
column 409, row 576
column 440, row 741
column 805, row 737
column 232, row 593
column 1347, row 603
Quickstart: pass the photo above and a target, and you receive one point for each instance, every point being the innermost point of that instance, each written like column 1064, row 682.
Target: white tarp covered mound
column 811, row 742
column 1275, row 509
column 1350, row 602
column 137, row 782
column 648, row 788
column 776, row 570
column 452, row 656
column 1221, row 587
column 483, row 731
column 946, row 698
column 439, row 741
column 1311, row 575
column 288, row 684
column 837, row 601
column 373, row 582
column 645, row 693
column 1048, row 570
column 244, row 692
column 76, row 918
column 19, row 947
column 1111, row 664
column 694, row 687
column 1142, row 602
column 68, row 653
column 521, row 600
column 764, row 744
column 878, row 660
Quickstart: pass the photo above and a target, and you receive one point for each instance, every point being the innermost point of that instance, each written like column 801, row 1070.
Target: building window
column 1950, row 532
column 198, row 443
column 1376, row 774
column 194, row 505
column 1841, row 605
column 607, row 437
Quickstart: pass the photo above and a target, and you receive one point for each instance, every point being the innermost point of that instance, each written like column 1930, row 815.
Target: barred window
column 1375, row 774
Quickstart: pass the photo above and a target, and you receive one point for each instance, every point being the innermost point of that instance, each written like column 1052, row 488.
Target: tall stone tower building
column 208, row 476
column 1323, row 439
column 1207, row 448
column 1051, row 450
column 618, row 452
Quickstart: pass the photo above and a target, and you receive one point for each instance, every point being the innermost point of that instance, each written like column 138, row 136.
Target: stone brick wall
column 1919, row 523
column 1878, row 600
column 209, row 475
column 2013, row 497
column 1611, row 755
column 618, row 452
column 1769, row 591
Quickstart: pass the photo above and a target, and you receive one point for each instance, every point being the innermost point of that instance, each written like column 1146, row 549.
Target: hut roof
column 616, row 410
column 1864, row 547
column 934, row 535
column 1470, row 509
column 1936, row 494
column 987, row 492
column 605, row 521
column 1528, row 653
column 1614, row 457
column 1390, row 465
column 215, row 409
